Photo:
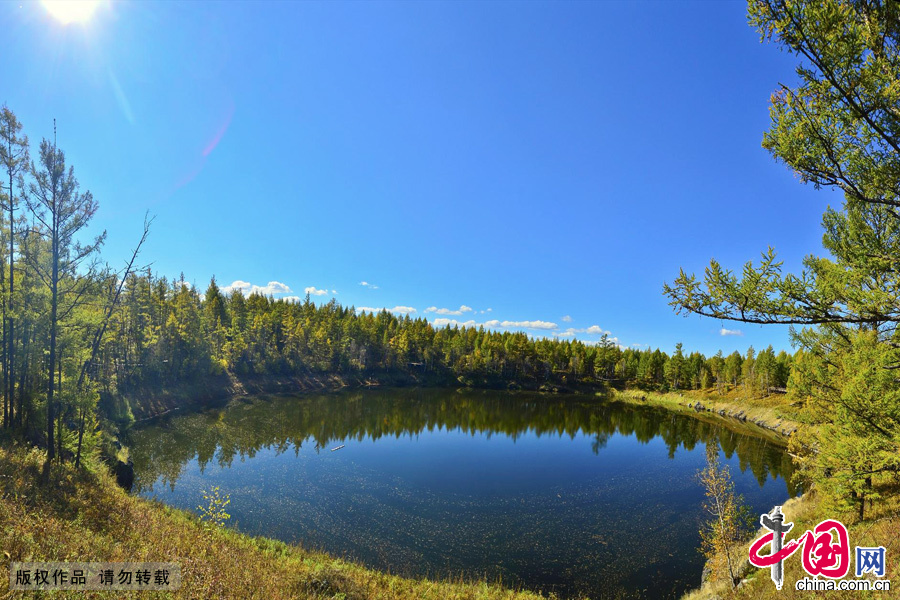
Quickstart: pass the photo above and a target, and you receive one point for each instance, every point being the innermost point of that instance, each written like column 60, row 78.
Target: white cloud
column 402, row 310
column 291, row 298
column 244, row 286
column 724, row 331
column 449, row 311
column 334, row 292
column 592, row 330
column 596, row 330
column 312, row 291
column 271, row 288
column 521, row 324
column 368, row 285
column 611, row 340
column 567, row 319
column 441, row 322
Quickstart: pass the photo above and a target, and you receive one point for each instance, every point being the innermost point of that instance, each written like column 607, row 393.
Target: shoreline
column 37, row 523
column 761, row 420
column 141, row 405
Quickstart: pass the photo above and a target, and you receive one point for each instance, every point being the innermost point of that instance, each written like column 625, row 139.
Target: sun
column 71, row 11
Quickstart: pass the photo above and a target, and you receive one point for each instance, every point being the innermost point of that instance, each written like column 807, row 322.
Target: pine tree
column 675, row 367
column 57, row 203
column 838, row 127
column 14, row 160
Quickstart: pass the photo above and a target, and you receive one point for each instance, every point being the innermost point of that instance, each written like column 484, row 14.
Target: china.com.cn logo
column 826, row 552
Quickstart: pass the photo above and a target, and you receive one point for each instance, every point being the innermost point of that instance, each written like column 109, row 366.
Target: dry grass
column 84, row 516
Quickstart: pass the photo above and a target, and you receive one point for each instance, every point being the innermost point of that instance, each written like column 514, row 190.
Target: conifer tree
column 62, row 211
column 14, row 160
column 839, row 127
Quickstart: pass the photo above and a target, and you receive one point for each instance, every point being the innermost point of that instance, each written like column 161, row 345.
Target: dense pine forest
column 166, row 331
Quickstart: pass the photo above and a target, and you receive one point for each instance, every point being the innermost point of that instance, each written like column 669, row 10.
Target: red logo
column 826, row 549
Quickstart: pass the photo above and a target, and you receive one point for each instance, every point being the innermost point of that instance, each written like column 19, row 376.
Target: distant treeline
column 166, row 331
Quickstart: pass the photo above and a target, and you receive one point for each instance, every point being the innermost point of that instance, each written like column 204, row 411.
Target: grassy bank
column 771, row 416
column 84, row 516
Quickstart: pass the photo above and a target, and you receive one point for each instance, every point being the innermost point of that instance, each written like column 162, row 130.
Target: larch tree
column 14, row 160
column 839, row 127
column 727, row 517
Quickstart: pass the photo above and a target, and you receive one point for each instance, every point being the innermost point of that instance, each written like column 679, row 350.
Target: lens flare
column 71, row 11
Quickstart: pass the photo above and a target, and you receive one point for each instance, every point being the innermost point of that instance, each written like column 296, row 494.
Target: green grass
column 84, row 516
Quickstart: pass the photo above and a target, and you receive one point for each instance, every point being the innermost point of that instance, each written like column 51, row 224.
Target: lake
column 576, row 495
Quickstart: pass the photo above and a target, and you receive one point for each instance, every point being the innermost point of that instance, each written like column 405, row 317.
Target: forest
column 172, row 332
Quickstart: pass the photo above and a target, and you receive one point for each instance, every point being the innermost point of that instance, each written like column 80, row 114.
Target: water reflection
column 570, row 495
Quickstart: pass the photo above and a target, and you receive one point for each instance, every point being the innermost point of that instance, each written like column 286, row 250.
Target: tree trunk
column 10, row 330
column 59, row 414
column 80, row 437
column 54, row 303
column 23, row 374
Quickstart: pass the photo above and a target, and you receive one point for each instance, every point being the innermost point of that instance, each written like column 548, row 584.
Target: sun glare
column 71, row 11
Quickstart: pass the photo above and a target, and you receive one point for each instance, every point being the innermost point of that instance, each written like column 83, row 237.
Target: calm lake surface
column 574, row 495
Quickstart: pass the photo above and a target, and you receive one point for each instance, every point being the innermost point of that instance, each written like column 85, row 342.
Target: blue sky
column 535, row 166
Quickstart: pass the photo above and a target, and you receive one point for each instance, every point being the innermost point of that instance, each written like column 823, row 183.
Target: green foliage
column 838, row 127
column 675, row 368
column 849, row 376
column 728, row 520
